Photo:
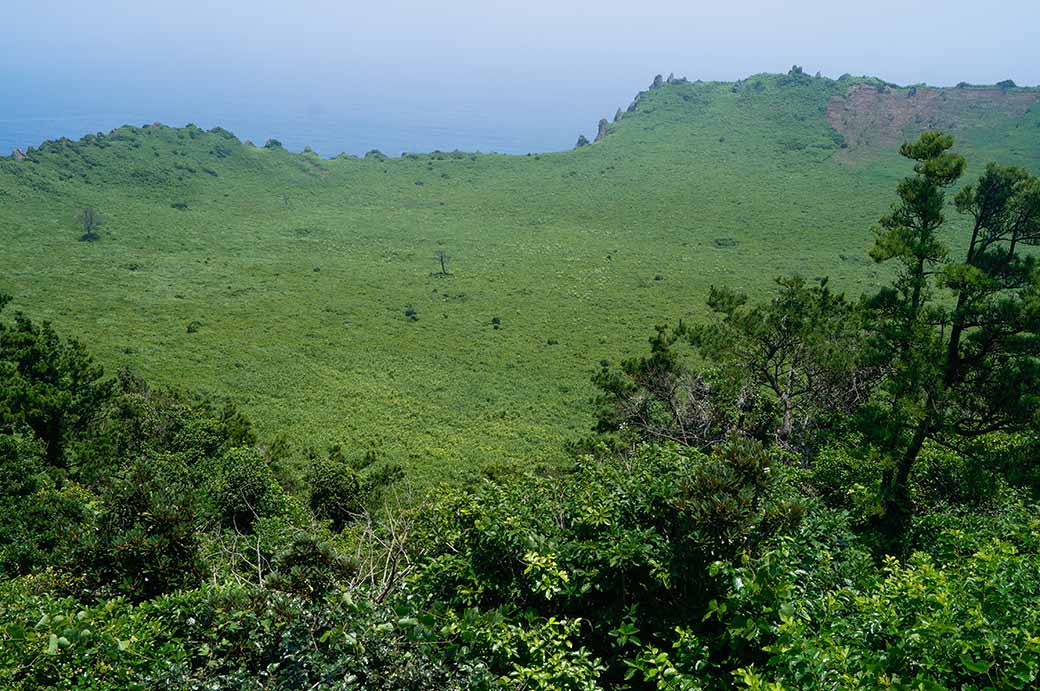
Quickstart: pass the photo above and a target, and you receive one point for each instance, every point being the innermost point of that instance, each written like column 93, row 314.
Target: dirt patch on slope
column 869, row 118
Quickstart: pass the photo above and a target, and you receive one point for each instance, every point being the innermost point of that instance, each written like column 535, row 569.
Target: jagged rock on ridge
column 603, row 125
column 18, row 155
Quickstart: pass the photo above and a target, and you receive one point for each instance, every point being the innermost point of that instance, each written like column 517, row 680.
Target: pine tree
column 962, row 339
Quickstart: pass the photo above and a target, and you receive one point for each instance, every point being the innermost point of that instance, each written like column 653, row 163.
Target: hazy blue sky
column 520, row 74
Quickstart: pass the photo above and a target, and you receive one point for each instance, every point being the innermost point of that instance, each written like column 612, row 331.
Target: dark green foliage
column 144, row 421
column 795, row 76
column 39, row 521
column 1017, row 458
column 967, row 365
column 801, row 350
column 335, row 489
column 101, row 478
column 783, row 370
column 242, row 488
column 217, row 638
column 660, row 397
column 48, row 385
column 310, row 567
column 145, row 539
column 342, row 488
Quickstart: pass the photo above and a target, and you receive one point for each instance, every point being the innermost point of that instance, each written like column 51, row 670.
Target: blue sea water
column 391, row 118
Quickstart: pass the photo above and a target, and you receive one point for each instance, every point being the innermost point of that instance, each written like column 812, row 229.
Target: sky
column 506, row 74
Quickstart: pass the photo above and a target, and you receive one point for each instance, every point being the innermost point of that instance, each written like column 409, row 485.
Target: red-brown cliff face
column 881, row 117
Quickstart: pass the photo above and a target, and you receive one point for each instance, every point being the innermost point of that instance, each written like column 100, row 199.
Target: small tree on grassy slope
column 964, row 364
column 90, row 221
column 442, row 257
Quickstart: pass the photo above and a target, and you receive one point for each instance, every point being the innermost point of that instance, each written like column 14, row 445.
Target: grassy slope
column 300, row 269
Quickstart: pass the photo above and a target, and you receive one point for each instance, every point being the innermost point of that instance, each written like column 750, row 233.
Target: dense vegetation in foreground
column 307, row 289
column 805, row 492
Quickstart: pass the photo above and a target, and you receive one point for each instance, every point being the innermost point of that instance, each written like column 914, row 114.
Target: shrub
column 145, row 540
column 335, row 490
column 48, row 384
column 964, row 624
column 39, row 520
column 242, row 488
column 610, row 538
column 309, row 566
column 145, row 421
column 218, row 637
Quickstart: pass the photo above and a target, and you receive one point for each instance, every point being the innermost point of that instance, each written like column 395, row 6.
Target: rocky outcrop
column 582, row 141
column 603, row 125
column 18, row 155
column 618, row 115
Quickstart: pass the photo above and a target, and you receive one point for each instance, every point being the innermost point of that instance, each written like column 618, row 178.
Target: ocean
column 392, row 120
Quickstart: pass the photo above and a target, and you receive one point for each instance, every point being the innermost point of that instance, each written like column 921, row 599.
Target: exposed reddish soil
column 869, row 118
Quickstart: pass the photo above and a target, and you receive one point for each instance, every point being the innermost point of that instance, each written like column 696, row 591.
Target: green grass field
column 298, row 271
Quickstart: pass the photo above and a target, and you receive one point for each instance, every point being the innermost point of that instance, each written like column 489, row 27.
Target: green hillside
column 307, row 288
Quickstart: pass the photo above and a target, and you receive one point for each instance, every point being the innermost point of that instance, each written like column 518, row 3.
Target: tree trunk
column 788, row 424
column 897, row 504
column 953, row 347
